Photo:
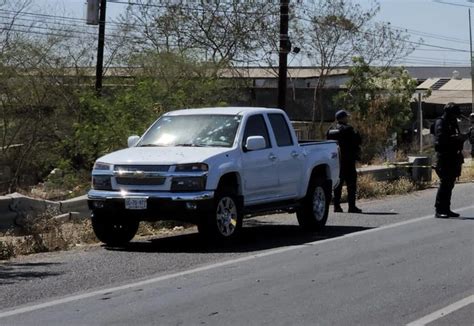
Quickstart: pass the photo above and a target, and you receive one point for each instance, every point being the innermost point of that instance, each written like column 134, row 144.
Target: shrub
column 7, row 250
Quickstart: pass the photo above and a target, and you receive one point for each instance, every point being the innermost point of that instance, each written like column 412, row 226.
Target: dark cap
column 452, row 109
column 341, row 114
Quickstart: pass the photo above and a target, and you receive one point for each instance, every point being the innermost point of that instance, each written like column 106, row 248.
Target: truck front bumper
column 160, row 205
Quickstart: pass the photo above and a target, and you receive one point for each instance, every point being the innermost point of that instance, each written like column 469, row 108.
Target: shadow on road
column 11, row 273
column 255, row 236
column 379, row 213
column 463, row 218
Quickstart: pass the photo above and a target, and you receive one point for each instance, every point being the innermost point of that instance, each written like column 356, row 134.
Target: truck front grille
column 143, row 168
column 140, row 175
column 130, row 181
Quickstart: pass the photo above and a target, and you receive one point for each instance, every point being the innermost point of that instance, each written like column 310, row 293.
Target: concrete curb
column 14, row 207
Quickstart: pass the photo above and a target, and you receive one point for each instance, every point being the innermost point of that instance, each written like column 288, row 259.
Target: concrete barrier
column 77, row 205
column 389, row 172
column 14, row 207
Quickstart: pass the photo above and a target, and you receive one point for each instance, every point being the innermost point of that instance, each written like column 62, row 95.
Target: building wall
column 299, row 101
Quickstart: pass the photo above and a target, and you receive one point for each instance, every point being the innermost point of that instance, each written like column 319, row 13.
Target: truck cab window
column 256, row 127
column 280, row 129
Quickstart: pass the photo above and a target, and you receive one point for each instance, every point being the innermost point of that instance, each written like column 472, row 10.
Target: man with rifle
column 448, row 146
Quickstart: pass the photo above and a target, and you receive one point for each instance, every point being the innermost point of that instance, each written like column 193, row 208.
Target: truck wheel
column 225, row 220
column 313, row 213
column 113, row 231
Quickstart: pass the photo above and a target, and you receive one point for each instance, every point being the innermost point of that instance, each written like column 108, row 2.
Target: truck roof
column 231, row 110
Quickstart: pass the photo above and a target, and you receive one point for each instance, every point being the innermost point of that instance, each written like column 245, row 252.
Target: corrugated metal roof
column 428, row 83
column 464, row 84
column 444, row 96
column 454, row 90
column 264, row 73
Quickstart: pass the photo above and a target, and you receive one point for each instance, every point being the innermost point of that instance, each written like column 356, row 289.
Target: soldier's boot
column 452, row 214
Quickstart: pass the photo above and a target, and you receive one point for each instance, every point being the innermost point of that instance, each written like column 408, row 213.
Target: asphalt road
column 393, row 265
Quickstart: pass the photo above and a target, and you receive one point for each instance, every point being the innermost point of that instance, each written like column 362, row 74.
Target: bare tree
column 217, row 31
column 338, row 30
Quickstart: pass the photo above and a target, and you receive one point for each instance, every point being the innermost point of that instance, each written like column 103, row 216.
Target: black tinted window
column 280, row 129
column 256, row 127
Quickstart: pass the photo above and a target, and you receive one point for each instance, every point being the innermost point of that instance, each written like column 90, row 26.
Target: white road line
column 443, row 312
column 64, row 300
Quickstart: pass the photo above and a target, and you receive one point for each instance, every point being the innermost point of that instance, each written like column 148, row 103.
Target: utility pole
column 472, row 69
column 100, row 48
column 283, row 53
column 420, row 117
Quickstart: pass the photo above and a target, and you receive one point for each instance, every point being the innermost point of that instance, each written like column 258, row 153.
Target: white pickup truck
column 212, row 167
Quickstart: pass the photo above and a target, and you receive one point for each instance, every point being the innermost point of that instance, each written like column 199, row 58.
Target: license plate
column 135, row 203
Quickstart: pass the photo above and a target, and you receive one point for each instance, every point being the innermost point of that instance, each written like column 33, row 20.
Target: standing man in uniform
column 349, row 143
column 448, row 146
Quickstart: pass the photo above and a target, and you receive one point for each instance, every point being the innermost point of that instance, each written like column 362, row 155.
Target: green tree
column 162, row 82
column 379, row 98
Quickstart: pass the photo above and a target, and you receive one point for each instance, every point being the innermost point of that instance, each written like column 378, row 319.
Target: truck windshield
column 192, row 130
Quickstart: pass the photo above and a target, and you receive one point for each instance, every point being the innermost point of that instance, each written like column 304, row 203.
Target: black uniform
column 448, row 145
column 349, row 143
column 471, row 140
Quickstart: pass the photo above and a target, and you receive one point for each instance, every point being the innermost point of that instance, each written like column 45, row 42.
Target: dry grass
column 367, row 187
column 44, row 233
column 467, row 173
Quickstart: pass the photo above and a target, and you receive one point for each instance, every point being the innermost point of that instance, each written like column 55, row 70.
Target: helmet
column 341, row 114
column 452, row 109
column 471, row 117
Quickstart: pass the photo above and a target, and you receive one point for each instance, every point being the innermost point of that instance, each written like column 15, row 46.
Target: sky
column 442, row 24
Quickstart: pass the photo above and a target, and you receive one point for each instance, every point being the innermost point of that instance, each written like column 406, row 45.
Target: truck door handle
column 272, row 157
column 295, row 154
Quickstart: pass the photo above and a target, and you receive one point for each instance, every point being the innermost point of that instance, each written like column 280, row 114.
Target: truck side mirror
column 133, row 140
column 254, row 143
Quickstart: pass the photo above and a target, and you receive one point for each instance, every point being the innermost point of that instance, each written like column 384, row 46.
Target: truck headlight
column 192, row 167
column 101, row 182
column 188, row 183
column 101, row 166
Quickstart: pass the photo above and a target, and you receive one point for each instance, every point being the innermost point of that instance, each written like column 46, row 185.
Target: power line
column 431, row 35
column 455, row 61
column 452, row 4
column 118, row 24
column 43, row 33
column 68, row 30
column 57, row 23
column 53, row 17
column 407, row 41
column 148, row 5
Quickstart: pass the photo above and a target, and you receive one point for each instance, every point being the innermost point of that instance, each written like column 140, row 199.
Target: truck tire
column 224, row 221
column 313, row 213
column 113, row 230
